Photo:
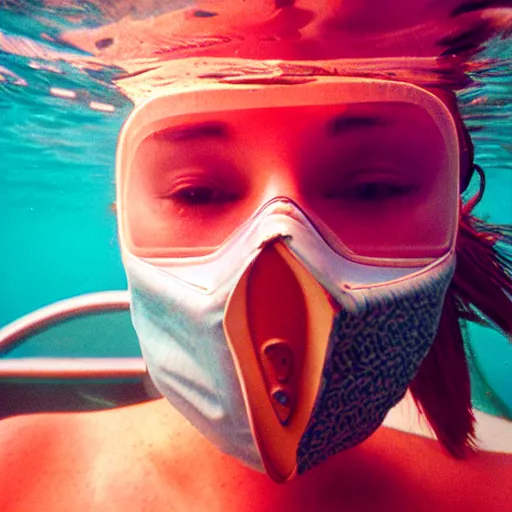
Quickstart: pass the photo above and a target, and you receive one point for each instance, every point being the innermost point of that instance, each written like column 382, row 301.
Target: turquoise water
column 57, row 226
column 56, row 186
column 56, row 181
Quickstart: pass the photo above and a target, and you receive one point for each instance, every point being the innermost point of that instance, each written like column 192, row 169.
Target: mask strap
column 470, row 205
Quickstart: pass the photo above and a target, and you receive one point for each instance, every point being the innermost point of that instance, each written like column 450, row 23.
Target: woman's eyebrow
column 345, row 122
column 191, row 131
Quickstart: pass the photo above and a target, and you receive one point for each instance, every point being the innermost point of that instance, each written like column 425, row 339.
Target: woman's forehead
column 331, row 120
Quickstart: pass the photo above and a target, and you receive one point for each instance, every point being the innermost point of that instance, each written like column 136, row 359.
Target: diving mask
column 288, row 248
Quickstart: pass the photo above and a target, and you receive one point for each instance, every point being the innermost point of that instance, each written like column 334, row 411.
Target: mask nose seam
column 271, row 239
column 285, row 206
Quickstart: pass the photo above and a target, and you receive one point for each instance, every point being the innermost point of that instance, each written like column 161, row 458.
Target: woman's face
column 372, row 175
column 375, row 176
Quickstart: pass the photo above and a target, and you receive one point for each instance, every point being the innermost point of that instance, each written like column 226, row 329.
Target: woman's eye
column 375, row 191
column 199, row 195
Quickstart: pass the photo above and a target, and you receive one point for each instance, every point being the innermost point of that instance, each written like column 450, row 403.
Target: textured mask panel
column 377, row 348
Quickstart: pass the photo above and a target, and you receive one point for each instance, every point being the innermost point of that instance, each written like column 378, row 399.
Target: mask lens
column 380, row 179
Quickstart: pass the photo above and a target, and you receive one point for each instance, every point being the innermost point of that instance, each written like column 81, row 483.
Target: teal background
column 58, row 231
column 57, row 227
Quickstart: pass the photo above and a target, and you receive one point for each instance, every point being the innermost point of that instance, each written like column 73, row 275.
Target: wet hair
column 480, row 292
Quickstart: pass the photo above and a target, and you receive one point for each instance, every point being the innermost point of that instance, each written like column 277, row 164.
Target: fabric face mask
column 285, row 324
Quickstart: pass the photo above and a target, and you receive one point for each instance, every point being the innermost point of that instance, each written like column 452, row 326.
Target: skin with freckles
column 148, row 457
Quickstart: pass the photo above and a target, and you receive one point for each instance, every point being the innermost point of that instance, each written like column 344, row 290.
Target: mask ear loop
column 471, row 204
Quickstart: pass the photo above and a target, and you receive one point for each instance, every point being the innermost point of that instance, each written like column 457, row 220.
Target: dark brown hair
column 481, row 292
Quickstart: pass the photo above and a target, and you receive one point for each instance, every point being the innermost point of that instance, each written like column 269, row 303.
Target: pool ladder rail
column 42, row 384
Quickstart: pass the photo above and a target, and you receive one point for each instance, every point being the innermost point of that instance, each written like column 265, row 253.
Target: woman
column 290, row 220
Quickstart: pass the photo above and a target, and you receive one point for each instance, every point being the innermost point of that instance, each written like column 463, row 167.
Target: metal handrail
column 72, row 368
column 14, row 333
column 18, row 331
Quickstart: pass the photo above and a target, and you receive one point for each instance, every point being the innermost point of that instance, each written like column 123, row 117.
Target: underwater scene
column 70, row 73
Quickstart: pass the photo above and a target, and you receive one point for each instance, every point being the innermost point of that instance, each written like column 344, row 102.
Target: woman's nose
column 283, row 181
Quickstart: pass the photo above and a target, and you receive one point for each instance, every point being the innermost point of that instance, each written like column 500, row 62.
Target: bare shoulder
column 479, row 482
column 48, row 457
column 63, row 460
column 483, row 480
column 23, row 436
column 50, row 434
column 32, row 448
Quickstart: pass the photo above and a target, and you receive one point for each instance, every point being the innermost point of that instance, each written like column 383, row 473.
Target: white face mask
column 371, row 345
column 284, row 333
